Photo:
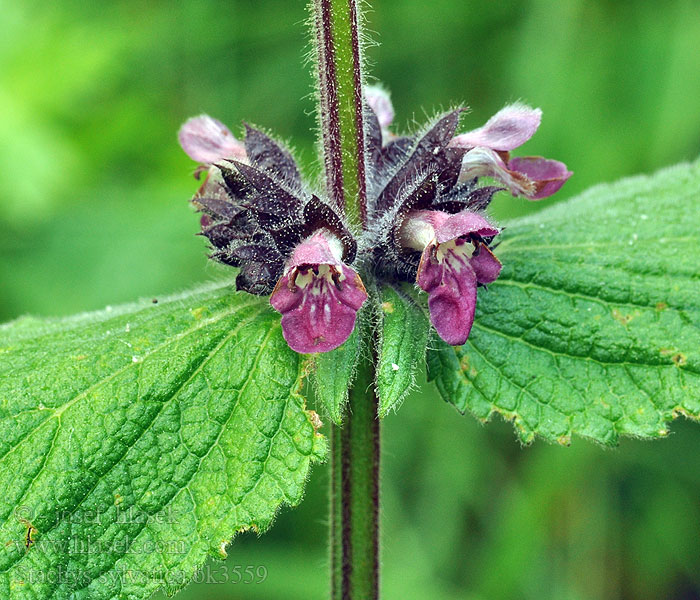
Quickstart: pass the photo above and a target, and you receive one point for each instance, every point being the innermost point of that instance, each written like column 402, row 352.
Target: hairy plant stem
column 355, row 494
column 355, row 445
column 339, row 70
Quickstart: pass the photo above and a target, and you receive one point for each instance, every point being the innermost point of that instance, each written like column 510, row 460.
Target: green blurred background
column 93, row 211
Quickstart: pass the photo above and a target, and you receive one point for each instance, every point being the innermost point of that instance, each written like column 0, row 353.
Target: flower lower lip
column 318, row 300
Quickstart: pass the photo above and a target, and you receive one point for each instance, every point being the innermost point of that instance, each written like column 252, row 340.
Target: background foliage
column 93, row 210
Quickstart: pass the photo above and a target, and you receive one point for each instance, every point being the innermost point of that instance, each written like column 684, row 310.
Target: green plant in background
column 133, row 432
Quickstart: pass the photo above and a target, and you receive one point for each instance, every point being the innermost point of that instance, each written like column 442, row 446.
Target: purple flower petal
column 319, row 306
column 548, row 175
column 380, row 102
column 322, row 248
column 507, row 129
column 464, row 223
column 318, row 296
column 486, row 266
column 421, row 227
column 207, row 140
column 446, row 274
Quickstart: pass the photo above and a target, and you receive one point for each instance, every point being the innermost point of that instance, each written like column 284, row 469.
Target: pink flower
column 208, row 140
column 454, row 260
column 488, row 154
column 318, row 295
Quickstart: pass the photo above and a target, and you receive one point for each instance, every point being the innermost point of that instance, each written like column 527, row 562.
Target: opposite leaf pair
column 424, row 207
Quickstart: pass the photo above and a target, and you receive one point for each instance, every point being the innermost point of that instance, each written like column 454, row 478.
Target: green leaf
column 404, row 335
column 333, row 373
column 593, row 327
column 136, row 441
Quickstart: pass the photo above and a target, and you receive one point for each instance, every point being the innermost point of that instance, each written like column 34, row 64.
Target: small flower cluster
column 425, row 224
